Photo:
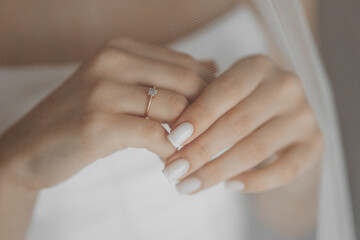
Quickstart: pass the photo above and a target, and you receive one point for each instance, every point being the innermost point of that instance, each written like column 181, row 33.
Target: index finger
column 220, row 96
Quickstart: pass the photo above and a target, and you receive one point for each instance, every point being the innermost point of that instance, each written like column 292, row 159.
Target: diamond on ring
column 152, row 92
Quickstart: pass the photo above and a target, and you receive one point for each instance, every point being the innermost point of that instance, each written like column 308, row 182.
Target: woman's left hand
column 259, row 111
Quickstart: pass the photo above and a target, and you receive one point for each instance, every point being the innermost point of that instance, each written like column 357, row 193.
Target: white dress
column 125, row 196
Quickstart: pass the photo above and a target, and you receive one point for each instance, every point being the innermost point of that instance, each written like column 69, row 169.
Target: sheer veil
column 290, row 34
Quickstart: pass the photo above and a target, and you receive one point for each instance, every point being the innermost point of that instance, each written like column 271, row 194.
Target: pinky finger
column 289, row 166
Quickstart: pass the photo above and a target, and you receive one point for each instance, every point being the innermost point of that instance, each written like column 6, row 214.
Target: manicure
column 188, row 185
column 180, row 134
column 235, row 185
column 176, row 170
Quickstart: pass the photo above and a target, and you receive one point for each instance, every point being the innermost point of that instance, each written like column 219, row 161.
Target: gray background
column 340, row 45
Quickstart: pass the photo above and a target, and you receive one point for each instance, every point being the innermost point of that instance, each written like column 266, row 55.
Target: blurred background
column 339, row 31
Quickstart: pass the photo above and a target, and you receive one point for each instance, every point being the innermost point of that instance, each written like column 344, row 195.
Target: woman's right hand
column 99, row 110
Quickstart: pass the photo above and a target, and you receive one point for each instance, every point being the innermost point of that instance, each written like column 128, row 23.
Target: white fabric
column 125, row 196
column 291, row 33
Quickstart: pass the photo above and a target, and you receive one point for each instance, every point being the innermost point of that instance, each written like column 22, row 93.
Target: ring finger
column 124, row 67
column 166, row 106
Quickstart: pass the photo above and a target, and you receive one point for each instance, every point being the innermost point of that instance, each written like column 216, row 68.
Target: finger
column 294, row 162
column 166, row 106
column 206, row 69
column 248, row 153
column 230, row 88
column 262, row 105
column 123, row 67
column 131, row 131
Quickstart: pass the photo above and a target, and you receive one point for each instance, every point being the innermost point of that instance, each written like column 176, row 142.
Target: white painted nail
column 180, row 134
column 176, row 170
column 236, row 185
column 188, row 185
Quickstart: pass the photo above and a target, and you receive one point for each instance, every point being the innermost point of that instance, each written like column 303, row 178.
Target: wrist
column 13, row 170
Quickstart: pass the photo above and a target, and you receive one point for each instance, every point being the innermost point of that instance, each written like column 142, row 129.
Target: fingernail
column 180, row 134
column 176, row 170
column 236, row 185
column 188, row 185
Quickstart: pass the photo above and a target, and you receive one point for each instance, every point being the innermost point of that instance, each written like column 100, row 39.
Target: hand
column 99, row 110
column 260, row 112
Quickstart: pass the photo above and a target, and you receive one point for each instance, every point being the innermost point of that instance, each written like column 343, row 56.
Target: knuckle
column 247, row 119
column 103, row 58
column 306, row 122
column 290, row 173
column 106, row 58
column 290, row 85
column 260, row 61
column 306, row 116
column 106, row 55
column 186, row 59
column 237, row 127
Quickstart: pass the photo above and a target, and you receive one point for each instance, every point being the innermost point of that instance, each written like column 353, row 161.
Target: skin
column 104, row 99
column 260, row 105
column 41, row 154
